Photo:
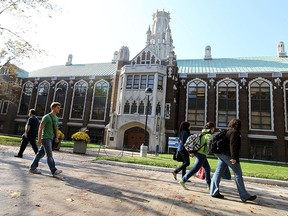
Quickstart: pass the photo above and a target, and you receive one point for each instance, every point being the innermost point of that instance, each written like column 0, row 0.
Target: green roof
column 97, row 69
column 234, row 65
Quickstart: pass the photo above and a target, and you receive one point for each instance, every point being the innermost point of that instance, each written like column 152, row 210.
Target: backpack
column 193, row 143
column 217, row 143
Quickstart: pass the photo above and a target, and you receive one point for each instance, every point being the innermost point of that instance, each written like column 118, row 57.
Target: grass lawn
column 249, row 168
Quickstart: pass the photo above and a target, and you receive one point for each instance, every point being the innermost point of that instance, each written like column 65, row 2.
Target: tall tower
column 160, row 38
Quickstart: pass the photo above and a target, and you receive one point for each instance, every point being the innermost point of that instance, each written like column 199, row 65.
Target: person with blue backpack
column 200, row 156
column 230, row 157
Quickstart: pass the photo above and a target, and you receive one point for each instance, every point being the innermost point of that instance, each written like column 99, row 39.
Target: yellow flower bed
column 60, row 135
column 80, row 136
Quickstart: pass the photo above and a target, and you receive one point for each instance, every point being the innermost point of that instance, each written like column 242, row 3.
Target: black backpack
column 218, row 142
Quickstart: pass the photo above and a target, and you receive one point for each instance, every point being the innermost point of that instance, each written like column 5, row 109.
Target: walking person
column 30, row 134
column 45, row 138
column 230, row 157
column 184, row 133
column 200, row 156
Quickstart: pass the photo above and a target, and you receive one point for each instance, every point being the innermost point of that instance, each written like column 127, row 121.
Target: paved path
column 100, row 189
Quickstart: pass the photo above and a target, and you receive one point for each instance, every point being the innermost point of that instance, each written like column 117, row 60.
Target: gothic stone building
column 110, row 100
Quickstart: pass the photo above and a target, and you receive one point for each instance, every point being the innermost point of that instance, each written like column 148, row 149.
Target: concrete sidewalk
column 101, row 189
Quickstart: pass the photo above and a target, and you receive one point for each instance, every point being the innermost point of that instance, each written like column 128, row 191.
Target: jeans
column 186, row 162
column 46, row 147
column 24, row 143
column 200, row 160
column 223, row 161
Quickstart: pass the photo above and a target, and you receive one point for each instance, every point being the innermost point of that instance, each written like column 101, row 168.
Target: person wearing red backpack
column 200, row 156
column 230, row 157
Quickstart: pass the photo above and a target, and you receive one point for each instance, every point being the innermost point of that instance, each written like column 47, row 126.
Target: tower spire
column 160, row 38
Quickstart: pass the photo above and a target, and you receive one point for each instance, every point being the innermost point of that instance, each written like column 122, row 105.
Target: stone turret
column 160, row 38
column 69, row 61
column 281, row 49
column 208, row 55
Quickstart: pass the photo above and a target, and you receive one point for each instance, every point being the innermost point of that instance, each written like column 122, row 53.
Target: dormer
column 146, row 56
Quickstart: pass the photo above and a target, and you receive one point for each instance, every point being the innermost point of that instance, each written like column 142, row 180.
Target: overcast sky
column 92, row 30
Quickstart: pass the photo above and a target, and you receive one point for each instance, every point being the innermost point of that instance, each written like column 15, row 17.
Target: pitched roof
column 96, row 69
column 234, row 65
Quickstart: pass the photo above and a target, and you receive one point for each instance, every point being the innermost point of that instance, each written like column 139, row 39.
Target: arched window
column 42, row 97
column 134, row 107
column 153, row 59
column 227, row 103
column 60, row 95
column 158, row 109
column 100, row 100
column 148, row 108
column 260, row 104
column 79, row 98
column 196, row 103
column 25, row 98
column 141, row 108
column 127, row 107
column 286, row 104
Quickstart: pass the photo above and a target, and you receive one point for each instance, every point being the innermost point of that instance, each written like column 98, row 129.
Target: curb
column 165, row 169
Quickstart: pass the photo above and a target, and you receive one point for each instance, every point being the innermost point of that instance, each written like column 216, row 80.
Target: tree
column 13, row 45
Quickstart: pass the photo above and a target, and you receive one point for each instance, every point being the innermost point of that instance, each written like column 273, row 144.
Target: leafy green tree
column 14, row 46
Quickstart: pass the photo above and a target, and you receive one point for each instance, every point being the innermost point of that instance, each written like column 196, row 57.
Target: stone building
column 110, row 100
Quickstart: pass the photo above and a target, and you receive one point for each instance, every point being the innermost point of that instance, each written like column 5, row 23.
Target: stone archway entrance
column 134, row 137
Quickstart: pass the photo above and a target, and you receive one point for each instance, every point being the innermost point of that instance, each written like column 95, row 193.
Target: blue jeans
column 200, row 160
column 223, row 161
column 46, row 147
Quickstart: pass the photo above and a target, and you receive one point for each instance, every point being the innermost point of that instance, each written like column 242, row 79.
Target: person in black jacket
column 184, row 133
column 230, row 157
column 30, row 133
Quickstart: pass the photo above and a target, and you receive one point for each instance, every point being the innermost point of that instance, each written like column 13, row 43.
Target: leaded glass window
column 226, row 102
column 260, row 105
column 42, row 97
column 60, row 95
column 196, row 103
column 100, row 100
column 79, row 98
column 25, row 98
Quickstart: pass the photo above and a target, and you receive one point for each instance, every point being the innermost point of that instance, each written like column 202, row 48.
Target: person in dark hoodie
column 184, row 133
column 230, row 157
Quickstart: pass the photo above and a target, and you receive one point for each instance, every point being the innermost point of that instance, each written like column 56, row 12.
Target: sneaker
column 219, row 196
column 251, row 198
column 182, row 183
column 174, row 175
column 19, row 156
column 35, row 171
column 57, row 172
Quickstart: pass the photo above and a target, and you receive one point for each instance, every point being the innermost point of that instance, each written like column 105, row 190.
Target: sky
column 93, row 30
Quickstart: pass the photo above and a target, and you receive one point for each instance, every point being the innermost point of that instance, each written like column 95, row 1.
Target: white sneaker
column 57, row 172
column 35, row 171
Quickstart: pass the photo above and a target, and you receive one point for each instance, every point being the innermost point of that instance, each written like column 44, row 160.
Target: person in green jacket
column 200, row 156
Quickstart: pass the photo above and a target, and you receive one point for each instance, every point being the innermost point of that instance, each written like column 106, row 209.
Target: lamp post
column 144, row 146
